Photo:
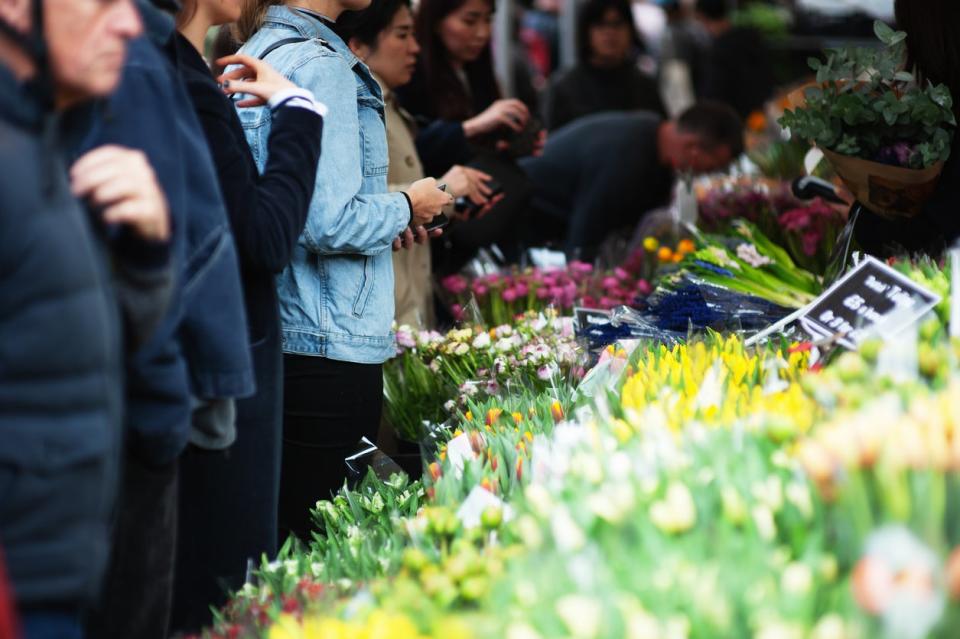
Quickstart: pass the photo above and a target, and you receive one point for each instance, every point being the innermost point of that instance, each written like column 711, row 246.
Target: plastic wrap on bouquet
column 626, row 323
column 692, row 304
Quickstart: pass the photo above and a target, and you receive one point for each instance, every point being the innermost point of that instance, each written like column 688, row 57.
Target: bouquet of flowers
column 721, row 201
column 718, row 381
column 810, row 232
column 433, row 375
column 807, row 230
column 886, row 134
column 502, row 297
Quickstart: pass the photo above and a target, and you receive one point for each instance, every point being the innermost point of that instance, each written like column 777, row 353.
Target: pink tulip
column 509, row 295
column 456, row 284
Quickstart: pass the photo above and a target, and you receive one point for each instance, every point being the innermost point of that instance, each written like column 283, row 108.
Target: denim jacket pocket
column 366, row 285
column 374, row 158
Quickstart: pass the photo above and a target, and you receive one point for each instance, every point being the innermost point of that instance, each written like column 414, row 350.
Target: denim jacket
column 336, row 296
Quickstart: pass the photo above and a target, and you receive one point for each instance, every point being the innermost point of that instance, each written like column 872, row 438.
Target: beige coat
column 413, row 280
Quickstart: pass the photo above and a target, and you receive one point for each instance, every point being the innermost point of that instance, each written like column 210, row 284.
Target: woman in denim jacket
column 336, row 297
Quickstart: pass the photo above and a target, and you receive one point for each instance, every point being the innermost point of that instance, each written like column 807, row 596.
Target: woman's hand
column 511, row 113
column 254, row 77
column 462, row 181
column 426, row 200
column 411, row 236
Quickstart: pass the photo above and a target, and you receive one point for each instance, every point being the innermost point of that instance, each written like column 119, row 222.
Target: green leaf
column 883, row 31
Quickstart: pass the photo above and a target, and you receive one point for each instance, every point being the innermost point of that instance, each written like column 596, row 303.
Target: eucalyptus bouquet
column 886, row 134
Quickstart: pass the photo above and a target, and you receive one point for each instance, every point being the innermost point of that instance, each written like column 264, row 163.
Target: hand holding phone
column 468, row 208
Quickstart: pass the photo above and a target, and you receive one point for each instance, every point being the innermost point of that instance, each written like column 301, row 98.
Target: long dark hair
column 451, row 100
column 592, row 14
column 933, row 48
column 367, row 25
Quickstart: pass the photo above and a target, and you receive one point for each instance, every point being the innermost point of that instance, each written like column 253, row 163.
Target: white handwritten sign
column 871, row 297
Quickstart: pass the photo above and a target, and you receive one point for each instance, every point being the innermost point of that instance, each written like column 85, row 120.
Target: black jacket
column 738, row 70
column 441, row 142
column 267, row 213
column 584, row 90
column 61, row 360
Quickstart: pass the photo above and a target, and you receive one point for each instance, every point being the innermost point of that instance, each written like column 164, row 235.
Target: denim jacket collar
column 311, row 28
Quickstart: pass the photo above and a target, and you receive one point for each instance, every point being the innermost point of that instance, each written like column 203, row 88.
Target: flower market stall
column 623, row 451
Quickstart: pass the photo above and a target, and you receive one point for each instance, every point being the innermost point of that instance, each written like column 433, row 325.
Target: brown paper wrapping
column 889, row 191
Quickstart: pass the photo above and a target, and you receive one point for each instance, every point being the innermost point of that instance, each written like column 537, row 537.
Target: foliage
column 867, row 106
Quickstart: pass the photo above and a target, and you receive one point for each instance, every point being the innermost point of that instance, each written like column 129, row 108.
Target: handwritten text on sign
column 871, row 296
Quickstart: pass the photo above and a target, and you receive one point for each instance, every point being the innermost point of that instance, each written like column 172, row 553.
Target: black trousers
column 228, row 499
column 139, row 584
column 327, row 407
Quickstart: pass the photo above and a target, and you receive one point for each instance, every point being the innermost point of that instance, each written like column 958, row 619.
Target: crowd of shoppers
column 199, row 270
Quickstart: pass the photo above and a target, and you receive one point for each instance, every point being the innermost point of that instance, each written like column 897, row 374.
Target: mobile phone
column 467, row 207
column 438, row 222
column 522, row 143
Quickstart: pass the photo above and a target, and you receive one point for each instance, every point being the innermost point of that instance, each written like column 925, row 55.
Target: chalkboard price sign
column 871, row 296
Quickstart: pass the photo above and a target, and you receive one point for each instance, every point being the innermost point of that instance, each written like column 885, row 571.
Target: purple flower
column 621, row 273
column 543, row 293
column 610, row 283
column 509, row 295
column 480, row 289
column 522, row 289
column 898, row 154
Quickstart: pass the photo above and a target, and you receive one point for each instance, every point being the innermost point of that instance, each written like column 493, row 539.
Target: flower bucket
column 889, row 191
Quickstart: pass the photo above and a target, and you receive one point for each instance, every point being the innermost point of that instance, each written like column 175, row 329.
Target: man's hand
column 121, row 183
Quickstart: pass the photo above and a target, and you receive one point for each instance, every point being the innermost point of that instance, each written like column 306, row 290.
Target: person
column 61, row 384
column 336, row 296
column 453, row 91
column 934, row 53
column 681, row 56
column 604, row 171
column 181, row 386
column 606, row 77
column 383, row 37
column 737, row 68
column 463, row 119
column 229, row 498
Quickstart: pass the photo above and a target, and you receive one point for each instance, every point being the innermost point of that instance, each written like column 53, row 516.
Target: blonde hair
column 251, row 18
